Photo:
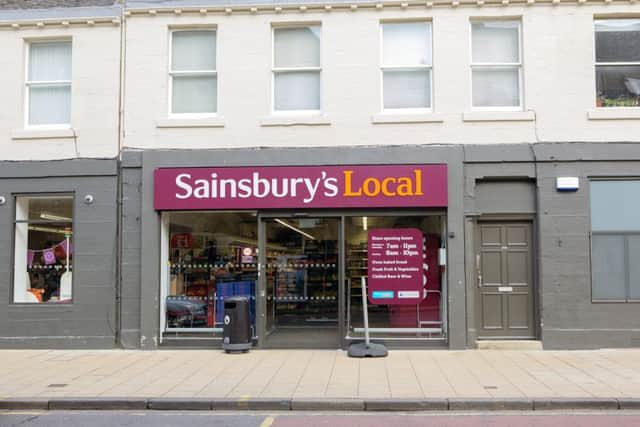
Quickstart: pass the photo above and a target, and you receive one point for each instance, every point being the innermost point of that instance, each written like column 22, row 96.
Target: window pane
column 297, row 91
column 618, row 86
column 496, row 88
column 495, row 41
column 633, row 242
column 406, row 44
column 194, row 94
column 193, row 50
column 389, row 320
column 50, row 61
column 49, row 105
column 212, row 256
column 297, row 47
column 618, row 40
column 407, row 89
column 43, row 249
column 615, row 205
column 608, row 267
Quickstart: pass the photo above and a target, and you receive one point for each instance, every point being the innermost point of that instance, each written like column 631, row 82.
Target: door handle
column 478, row 270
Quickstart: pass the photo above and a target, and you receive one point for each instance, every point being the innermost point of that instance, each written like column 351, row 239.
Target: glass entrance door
column 301, row 282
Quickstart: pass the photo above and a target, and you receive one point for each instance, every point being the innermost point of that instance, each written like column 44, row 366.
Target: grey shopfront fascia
column 142, row 223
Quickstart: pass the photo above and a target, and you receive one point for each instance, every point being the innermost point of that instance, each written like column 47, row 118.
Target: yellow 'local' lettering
column 402, row 186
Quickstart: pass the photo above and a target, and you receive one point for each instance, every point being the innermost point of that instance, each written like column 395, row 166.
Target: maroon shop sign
column 389, row 186
column 395, row 270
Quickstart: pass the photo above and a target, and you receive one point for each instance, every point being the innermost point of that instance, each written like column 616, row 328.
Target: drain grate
column 490, row 387
column 57, row 385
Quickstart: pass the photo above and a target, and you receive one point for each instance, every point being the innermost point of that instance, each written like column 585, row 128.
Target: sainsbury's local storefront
column 294, row 240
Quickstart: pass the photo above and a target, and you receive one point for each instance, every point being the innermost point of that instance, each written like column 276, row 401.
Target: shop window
column 421, row 321
column 406, row 65
column 496, row 65
column 296, row 68
column 615, row 240
column 48, row 85
column 617, row 62
column 212, row 256
column 193, row 74
column 43, row 243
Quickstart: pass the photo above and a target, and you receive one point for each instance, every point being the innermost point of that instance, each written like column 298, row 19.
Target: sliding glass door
column 302, row 282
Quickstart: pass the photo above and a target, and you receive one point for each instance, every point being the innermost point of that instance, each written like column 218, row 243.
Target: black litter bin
column 236, row 330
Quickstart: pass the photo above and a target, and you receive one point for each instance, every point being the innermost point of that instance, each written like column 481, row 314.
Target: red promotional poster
column 181, row 241
column 395, row 273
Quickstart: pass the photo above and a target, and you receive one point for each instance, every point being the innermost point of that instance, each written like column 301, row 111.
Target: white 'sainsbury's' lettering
column 256, row 186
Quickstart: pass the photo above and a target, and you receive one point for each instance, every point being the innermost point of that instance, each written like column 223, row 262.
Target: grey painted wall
column 568, row 318
column 90, row 320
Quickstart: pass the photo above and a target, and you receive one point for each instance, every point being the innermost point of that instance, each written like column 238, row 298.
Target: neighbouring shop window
column 496, row 65
column 615, row 240
column 296, row 68
column 617, row 62
column 43, row 263
column 193, row 73
column 48, row 83
column 406, row 65
column 212, row 256
column 423, row 320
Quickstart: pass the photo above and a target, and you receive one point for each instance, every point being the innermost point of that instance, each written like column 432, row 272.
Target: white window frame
column 282, row 70
column 53, row 83
column 405, row 67
column 609, row 64
column 497, row 65
column 192, row 73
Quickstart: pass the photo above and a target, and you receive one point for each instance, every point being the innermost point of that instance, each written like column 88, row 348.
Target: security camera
column 88, row 199
column 3, row 200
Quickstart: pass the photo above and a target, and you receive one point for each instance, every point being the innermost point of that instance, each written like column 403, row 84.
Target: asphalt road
column 306, row 419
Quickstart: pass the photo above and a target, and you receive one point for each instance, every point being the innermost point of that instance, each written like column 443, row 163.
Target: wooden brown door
column 504, row 287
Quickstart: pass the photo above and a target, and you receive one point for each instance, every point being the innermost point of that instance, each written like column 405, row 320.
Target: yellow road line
column 267, row 422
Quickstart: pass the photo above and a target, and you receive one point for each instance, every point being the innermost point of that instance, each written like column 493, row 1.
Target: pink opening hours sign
column 395, row 266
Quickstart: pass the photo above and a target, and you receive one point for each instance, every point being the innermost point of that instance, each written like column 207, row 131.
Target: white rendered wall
column 559, row 80
column 94, row 94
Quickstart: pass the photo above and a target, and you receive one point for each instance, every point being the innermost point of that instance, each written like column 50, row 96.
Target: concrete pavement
column 308, row 379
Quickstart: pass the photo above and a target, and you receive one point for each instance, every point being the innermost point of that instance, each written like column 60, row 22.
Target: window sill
column 23, row 134
column 498, row 116
column 390, row 118
column 302, row 120
column 209, row 122
column 614, row 114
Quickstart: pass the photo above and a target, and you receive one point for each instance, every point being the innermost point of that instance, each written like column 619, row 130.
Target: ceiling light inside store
column 50, row 229
column 286, row 224
column 364, row 223
column 53, row 217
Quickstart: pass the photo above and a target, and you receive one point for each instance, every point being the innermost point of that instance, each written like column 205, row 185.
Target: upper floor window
column 615, row 240
column 496, row 65
column 296, row 68
column 617, row 62
column 406, row 65
column 48, row 83
column 193, row 75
